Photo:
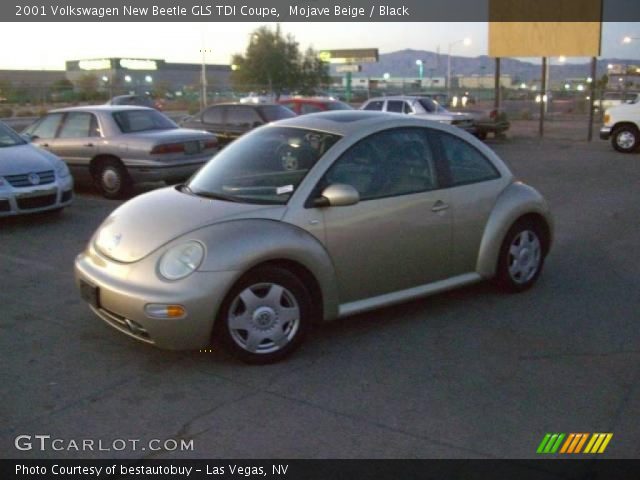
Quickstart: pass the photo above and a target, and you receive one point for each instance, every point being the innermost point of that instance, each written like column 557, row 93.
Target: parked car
column 115, row 147
column 31, row 179
column 622, row 127
column 488, row 121
column 423, row 107
column 231, row 120
column 137, row 100
column 310, row 219
column 303, row 105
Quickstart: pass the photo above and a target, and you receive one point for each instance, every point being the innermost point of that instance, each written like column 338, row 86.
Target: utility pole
column 203, row 79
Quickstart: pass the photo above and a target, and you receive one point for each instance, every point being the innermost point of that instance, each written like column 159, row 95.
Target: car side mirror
column 338, row 195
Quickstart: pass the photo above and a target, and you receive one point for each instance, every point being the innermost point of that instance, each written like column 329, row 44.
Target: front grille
column 66, row 196
column 30, row 203
column 5, row 206
column 46, row 177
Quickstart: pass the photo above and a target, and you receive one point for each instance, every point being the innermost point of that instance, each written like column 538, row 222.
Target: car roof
column 341, row 122
column 399, row 97
column 311, row 100
column 101, row 108
column 248, row 104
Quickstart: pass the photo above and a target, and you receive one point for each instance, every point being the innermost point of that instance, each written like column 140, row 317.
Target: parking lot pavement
column 469, row 373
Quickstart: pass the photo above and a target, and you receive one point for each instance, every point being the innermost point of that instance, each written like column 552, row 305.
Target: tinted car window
column 396, row 106
column 78, row 125
column 264, row 166
column 374, row 105
column 130, row 121
column 271, row 113
column 212, row 115
column 390, row 163
column 242, row 117
column 47, row 127
column 466, row 163
column 310, row 108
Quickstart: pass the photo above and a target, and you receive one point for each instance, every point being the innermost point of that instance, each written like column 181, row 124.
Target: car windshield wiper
column 214, row 196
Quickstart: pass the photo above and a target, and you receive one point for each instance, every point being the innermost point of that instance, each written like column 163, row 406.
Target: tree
column 88, row 86
column 273, row 60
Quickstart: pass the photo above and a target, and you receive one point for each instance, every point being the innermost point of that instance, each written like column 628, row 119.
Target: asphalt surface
column 472, row 373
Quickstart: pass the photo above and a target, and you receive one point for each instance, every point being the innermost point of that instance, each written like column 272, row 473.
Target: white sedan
column 31, row 179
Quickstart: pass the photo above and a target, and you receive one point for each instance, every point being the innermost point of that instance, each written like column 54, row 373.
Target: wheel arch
column 516, row 203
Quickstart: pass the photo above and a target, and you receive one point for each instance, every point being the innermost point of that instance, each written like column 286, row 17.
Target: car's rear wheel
column 266, row 315
column 112, row 179
column 625, row 139
column 521, row 256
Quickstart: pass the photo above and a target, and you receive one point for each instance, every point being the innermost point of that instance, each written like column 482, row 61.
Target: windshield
column 431, row 106
column 276, row 112
column 9, row 138
column 265, row 166
column 130, row 121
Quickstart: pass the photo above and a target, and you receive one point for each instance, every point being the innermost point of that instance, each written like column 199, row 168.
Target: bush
column 6, row 112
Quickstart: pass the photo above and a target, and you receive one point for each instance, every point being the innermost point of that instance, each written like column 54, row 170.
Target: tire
column 113, row 180
column 266, row 316
column 625, row 139
column 521, row 257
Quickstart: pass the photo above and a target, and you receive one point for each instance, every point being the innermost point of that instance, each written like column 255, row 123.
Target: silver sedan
column 117, row 146
column 31, row 180
column 307, row 220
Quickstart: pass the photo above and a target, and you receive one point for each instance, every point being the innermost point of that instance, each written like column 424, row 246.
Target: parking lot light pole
column 466, row 42
column 203, row 80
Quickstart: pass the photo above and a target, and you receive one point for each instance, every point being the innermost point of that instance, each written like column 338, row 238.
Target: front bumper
column 41, row 198
column 123, row 291
column 605, row 133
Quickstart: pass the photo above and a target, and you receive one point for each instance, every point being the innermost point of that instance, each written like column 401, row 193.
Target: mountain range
column 402, row 64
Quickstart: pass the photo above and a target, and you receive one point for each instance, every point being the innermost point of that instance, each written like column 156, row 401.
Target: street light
column 148, row 79
column 466, row 42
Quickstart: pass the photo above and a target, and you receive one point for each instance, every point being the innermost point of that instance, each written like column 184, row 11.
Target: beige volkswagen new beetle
column 307, row 220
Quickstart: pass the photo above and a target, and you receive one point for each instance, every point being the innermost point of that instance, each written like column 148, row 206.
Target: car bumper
column 159, row 171
column 605, row 133
column 41, row 198
column 123, row 290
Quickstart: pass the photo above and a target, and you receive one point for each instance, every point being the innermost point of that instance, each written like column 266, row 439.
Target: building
column 134, row 75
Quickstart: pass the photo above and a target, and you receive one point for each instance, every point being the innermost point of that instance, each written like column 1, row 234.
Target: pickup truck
column 622, row 126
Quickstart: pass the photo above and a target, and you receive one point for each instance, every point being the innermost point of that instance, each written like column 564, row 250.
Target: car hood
column 149, row 221
column 623, row 108
column 22, row 159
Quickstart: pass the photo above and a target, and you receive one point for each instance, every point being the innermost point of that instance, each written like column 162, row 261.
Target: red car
column 313, row 104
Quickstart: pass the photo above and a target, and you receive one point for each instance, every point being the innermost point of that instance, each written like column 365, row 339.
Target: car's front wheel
column 266, row 315
column 625, row 139
column 521, row 256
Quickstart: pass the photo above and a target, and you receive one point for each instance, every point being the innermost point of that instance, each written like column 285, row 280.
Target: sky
column 48, row 45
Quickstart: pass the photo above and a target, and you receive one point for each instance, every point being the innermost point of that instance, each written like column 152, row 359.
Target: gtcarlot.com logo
column 48, row 443
column 573, row 443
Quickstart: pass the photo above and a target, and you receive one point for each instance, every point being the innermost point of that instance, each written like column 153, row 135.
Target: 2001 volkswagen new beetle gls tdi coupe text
column 310, row 219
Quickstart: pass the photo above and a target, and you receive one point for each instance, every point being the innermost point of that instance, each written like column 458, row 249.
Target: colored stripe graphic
column 574, row 442
column 598, row 443
column 550, row 443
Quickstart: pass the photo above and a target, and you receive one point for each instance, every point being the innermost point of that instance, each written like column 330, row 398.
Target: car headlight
column 62, row 171
column 181, row 261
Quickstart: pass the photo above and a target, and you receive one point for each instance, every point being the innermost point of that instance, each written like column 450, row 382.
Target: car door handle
column 439, row 206
column 88, row 144
column 46, row 145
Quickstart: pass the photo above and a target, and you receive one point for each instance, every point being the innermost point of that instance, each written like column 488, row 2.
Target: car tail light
column 168, row 148
column 209, row 144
